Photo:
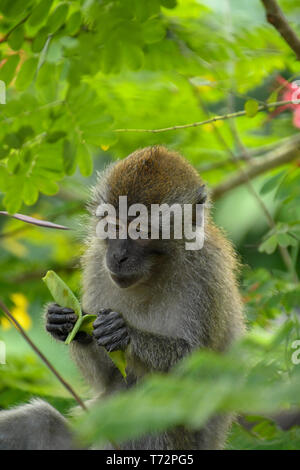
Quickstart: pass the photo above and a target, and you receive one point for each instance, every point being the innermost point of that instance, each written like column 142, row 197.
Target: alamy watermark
column 165, row 221
column 296, row 353
column 2, row 352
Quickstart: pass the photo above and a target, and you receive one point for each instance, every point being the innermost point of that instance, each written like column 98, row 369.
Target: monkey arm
column 156, row 351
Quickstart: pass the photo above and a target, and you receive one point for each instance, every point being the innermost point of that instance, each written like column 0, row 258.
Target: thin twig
column 260, row 108
column 6, row 36
column 277, row 19
column 32, row 220
column 15, row 323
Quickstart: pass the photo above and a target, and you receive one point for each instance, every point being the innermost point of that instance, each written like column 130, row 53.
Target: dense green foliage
column 75, row 73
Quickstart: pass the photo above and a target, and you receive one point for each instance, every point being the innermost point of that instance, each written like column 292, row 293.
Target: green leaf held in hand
column 63, row 296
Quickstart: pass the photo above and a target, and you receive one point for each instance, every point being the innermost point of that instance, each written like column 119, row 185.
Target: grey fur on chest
column 148, row 315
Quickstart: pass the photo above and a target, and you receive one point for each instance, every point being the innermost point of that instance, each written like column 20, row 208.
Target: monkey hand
column 60, row 322
column 110, row 331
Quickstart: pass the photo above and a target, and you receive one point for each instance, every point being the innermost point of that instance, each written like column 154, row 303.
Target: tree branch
column 282, row 155
column 263, row 107
column 252, row 154
column 277, row 19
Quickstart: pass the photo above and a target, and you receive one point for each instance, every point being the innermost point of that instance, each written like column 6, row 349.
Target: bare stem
column 223, row 117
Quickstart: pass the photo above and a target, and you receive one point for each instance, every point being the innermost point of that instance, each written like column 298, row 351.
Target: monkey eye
column 114, row 225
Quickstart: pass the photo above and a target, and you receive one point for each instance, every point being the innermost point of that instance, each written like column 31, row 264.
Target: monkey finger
column 119, row 345
column 109, row 317
column 59, row 329
column 67, row 310
column 107, row 328
column 112, row 338
column 60, row 318
column 54, row 308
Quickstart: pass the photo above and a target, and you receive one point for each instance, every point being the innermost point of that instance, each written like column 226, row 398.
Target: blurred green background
column 77, row 71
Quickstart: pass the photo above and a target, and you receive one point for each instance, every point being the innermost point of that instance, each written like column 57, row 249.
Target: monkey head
column 151, row 177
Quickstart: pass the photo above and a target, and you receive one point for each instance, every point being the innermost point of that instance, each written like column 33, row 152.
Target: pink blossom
column 289, row 92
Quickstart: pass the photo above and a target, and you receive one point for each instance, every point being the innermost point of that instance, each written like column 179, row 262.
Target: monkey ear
column 201, row 195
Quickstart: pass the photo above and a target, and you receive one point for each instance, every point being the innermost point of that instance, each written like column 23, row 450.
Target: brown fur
column 151, row 176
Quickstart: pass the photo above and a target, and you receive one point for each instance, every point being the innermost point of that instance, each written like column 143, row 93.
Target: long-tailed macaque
column 155, row 300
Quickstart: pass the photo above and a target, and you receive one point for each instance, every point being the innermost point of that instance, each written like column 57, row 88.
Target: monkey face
column 130, row 261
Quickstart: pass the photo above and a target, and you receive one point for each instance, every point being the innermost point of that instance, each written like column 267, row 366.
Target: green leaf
column 40, row 12
column 63, row 296
column 14, row 8
column 40, row 39
column 4, row 152
column 272, row 182
column 12, row 140
column 284, row 239
column 119, row 359
column 111, row 57
column 84, row 159
column 168, row 3
column 153, row 31
column 55, row 136
column 73, row 23
column 251, row 108
column 69, row 155
column 47, row 186
column 16, row 38
column 87, row 323
column 30, row 193
column 13, row 199
column 57, row 18
column 61, row 293
column 146, row 9
column 269, row 245
column 26, row 74
column 133, row 56
column 7, row 71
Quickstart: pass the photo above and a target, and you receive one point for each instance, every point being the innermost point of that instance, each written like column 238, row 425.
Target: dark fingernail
column 67, row 310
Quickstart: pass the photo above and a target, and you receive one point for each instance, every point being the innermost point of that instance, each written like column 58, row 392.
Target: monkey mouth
column 124, row 281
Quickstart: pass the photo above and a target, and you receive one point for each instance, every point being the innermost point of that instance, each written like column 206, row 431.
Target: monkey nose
column 120, row 258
